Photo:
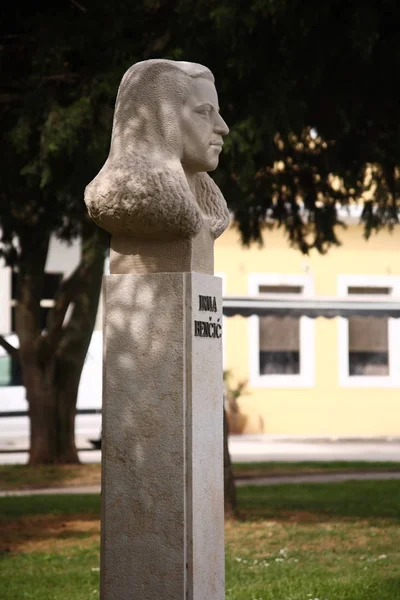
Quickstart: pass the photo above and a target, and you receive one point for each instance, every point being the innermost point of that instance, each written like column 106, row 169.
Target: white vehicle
column 14, row 420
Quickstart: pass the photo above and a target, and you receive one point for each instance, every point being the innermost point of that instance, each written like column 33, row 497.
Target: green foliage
column 233, row 391
column 285, row 68
column 282, row 68
column 56, row 108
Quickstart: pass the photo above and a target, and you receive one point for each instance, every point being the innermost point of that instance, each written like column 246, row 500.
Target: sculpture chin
column 206, row 165
column 213, row 164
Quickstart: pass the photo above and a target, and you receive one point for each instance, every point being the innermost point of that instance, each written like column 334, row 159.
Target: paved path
column 21, row 458
column 271, row 480
column 256, row 448
column 84, row 489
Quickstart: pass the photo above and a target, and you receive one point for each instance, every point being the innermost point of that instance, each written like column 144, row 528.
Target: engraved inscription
column 208, row 303
column 208, row 329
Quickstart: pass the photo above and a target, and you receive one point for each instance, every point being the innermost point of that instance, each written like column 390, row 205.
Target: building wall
column 325, row 408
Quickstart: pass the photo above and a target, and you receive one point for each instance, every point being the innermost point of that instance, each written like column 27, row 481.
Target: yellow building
column 318, row 376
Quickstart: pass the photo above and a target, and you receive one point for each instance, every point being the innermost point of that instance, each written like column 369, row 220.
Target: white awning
column 316, row 306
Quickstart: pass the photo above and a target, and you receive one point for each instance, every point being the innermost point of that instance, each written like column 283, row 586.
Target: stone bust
column 154, row 189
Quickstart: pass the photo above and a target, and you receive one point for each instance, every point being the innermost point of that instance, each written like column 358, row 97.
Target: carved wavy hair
column 142, row 188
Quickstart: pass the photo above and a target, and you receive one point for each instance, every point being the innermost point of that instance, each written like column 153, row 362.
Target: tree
column 56, row 113
column 313, row 102
column 309, row 95
column 41, row 187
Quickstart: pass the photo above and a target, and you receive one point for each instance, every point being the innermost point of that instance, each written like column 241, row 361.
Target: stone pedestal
column 162, row 481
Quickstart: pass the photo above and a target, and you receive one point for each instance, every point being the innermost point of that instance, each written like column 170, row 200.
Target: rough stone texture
column 154, row 183
column 162, row 485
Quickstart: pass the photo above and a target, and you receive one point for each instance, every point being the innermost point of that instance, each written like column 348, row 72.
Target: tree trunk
column 229, row 481
column 52, row 416
column 52, row 394
column 52, row 362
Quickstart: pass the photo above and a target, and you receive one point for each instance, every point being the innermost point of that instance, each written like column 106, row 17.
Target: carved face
column 202, row 127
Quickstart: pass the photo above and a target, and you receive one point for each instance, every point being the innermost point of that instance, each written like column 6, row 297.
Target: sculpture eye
column 205, row 110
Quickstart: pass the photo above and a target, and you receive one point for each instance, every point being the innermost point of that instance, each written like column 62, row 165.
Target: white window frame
column 376, row 381
column 5, row 299
column 222, row 275
column 306, row 377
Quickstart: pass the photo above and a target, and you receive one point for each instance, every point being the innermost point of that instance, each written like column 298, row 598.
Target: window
column 368, row 338
column 5, row 295
column 281, row 348
column 224, row 320
column 10, row 371
column 279, row 338
column 368, row 346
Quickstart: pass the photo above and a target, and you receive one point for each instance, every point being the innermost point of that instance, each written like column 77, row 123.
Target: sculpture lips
column 217, row 143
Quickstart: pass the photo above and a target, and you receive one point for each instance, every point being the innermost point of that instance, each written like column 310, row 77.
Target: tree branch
column 62, row 300
column 86, row 297
column 12, row 351
column 80, row 6
column 8, row 98
column 58, row 77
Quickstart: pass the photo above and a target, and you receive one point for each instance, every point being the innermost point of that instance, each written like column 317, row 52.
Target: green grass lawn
column 336, row 541
column 26, row 477
column 268, row 469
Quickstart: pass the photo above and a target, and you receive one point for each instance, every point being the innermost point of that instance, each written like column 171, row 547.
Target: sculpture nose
column 220, row 126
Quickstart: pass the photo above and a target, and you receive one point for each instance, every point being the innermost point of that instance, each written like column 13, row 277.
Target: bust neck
column 191, row 179
column 142, row 256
